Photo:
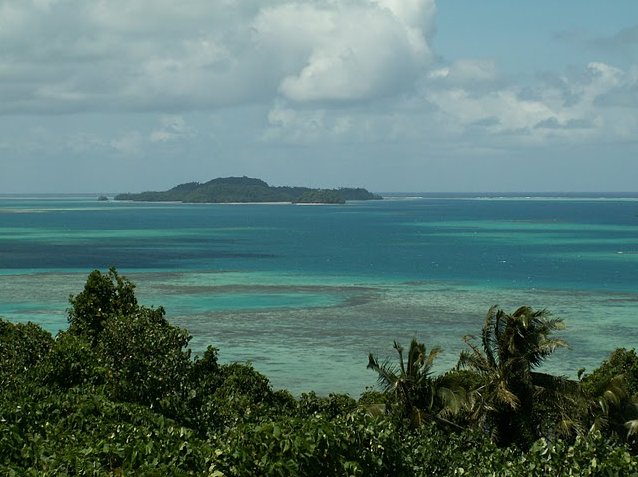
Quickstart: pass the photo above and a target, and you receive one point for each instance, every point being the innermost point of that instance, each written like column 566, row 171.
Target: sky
column 111, row 96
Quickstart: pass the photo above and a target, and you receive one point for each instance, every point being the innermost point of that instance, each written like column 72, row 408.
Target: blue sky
column 530, row 37
column 392, row 95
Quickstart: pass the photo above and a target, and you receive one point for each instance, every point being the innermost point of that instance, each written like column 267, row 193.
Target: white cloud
column 354, row 52
column 76, row 56
column 306, row 126
column 415, row 13
column 84, row 142
column 173, row 127
column 128, row 144
column 567, row 111
column 163, row 79
column 466, row 71
column 471, row 107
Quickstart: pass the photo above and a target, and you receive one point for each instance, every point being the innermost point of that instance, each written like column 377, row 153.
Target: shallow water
column 305, row 293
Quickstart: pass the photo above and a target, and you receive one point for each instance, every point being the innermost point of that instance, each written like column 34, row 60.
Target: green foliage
column 416, row 394
column 610, row 397
column 104, row 296
column 146, row 357
column 431, row 451
column 331, row 406
column 86, row 434
column 510, row 393
column 371, row 396
column 118, row 394
column 246, row 189
column 587, row 456
column 621, row 362
column 132, row 349
column 352, row 445
column 72, row 361
column 223, row 192
column 22, row 346
column 203, row 380
column 321, row 196
column 242, row 396
column 358, row 193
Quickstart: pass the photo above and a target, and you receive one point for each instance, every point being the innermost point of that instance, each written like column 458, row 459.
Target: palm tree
column 511, row 395
column 418, row 394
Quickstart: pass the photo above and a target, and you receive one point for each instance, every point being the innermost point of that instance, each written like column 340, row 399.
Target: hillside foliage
column 247, row 189
column 118, row 393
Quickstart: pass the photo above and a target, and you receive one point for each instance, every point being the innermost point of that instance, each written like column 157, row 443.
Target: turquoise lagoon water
column 305, row 293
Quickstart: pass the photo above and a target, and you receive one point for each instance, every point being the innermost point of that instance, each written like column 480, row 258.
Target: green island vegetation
column 118, row 393
column 246, row 189
column 321, row 196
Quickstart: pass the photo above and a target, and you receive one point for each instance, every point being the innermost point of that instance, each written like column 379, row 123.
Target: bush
column 332, row 406
column 353, row 445
column 146, row 356
column 621, row 362
column 76, row 433
column 104, row 296
column 22, row 347
column 72, row 361
column 242, row 396
column 117, row 394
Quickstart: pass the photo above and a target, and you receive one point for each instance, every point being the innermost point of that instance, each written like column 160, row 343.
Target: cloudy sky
column 392, row 95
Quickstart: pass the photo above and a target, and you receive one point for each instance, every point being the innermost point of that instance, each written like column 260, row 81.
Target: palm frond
column 554, row 385
column 632, row 427
column 599, row 423
column 476, row 360
column 488, row 338
column 432, row 355
column 388, row 377
column 399, row 349
column 410, row 380
column 567, row 426
column 505, row 396
column 453, row 399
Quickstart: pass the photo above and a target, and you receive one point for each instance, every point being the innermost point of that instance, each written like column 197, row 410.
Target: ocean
column 306, row 292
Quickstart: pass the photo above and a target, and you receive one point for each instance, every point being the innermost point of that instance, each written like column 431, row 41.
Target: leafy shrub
column 22, row 346
column 72, row 361
column 104, row 296
column 353, row 445
column 117, row 394
column 331, row 406
column 610, row 397
column 76, row 433
column 243, row 396
column 146, row 356
column 621, row 362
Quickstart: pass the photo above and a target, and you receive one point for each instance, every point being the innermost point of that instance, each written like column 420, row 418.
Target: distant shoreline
column 384, row 195
column 248, row 190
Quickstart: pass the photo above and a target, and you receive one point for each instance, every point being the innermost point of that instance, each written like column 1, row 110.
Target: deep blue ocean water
column 305, row 292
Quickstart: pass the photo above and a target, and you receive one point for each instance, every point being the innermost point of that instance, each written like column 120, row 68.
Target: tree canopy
column 119, row 393
column 247, row 189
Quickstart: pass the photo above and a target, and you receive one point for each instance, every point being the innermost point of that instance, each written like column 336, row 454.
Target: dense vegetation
column 246, row 189
column 321, row 196
column 118, row 393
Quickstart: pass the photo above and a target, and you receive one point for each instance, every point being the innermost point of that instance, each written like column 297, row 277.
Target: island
column 246, row 190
